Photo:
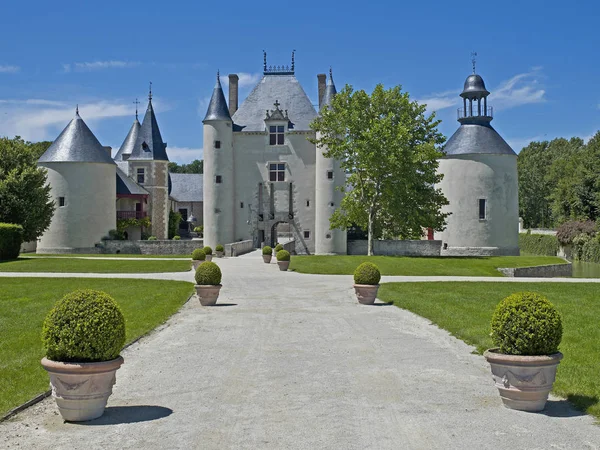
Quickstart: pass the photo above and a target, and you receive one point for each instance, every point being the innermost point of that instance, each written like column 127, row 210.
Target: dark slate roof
column 76, row 143
column 477, row 138
column 217, row 108
column 129, row 142
column 474, row 85
column 187, row 187
column 285, row 88
column 149, row 144
column 330, row 91
column 126, row 186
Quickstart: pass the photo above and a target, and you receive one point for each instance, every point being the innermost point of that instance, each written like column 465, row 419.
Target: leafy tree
column 196, row 166
column 387, row 146
column 24, row 193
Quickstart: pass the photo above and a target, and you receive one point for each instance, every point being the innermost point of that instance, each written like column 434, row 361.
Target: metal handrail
column 461, row 113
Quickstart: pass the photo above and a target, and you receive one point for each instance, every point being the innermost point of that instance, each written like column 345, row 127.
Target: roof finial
column 330, row 73
column 77, row 109
column 293, row 61
column 218, row 76
column 474, row 59
column 136, row 108
column 150, row 93
column 264, row 61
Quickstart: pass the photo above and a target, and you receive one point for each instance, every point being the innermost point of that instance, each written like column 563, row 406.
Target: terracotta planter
column 81, row 390
column 196, row 263
column 219, row 254
column 366, row 293
column 267, row 258
column 209, row 257
column 524, row 382
column 283, row 265
column 207, row 293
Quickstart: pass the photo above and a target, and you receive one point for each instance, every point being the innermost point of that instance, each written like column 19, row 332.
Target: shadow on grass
column 14, row 260
column 114, row 415
column 574, row 406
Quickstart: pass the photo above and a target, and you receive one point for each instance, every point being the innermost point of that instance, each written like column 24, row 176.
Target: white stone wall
column 468, row 178
column 89, row 212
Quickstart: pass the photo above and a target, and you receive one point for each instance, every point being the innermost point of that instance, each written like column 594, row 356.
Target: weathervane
column 474, row 59
column 293, row 61
column 136, row 108
column 264, row 61
column 77, row 109
column 150, row 93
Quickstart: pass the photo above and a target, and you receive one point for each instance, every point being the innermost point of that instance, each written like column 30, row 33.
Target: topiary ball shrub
column 198, row 255
column 278, row 247
column 367, row 273
column 207, row 250
column 283, row 255
column 208, row 273
column 526, row 323
column 84, row 326
column 11, row 238
column 267, row 250
column 219, row 248
column 176, row 238
column 152, row 238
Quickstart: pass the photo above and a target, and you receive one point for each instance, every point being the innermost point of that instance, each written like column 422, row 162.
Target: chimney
column 233, row 93
column 108, row 149
column 322, row 83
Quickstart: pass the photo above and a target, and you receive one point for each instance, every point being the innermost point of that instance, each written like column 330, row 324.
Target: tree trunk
column 370, row 233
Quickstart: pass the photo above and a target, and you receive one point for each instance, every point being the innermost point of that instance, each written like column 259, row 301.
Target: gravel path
column 291, row 361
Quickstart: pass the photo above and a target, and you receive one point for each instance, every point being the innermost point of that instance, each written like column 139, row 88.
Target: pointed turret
column 217, row 108
column 129, row 143
column 149, row 144
column 330, row 91
column 76, row 143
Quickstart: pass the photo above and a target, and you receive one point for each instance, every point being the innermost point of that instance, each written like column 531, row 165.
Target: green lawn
column 399, row 265
column 72, row 265
column 24, row 304
column 100, row 255
column 465, row 310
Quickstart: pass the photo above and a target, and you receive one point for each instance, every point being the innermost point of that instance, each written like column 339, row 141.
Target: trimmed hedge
column 219, row 248
column 207, row 250
column 267, row 250
column 526, row 323
column 538, row 244
column 11, row 238
column 84, row 326
column 283, row 255
column 208, row 273
column 198, row 255
column 367, row 273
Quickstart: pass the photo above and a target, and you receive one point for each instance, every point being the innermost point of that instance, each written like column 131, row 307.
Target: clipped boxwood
column 267, row 250
column 283, row 255
column 208, row 273
column 84, row 326
column 219, row 248
column 207, row 250
column 11, row 238
column 152, row 238
column 367, row 273
column 198, row 255
column 526, row 323
column 278, row 247
column 176, row 238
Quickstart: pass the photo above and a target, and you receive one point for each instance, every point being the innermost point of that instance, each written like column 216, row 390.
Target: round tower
column 480, row 182
column 219, row 183
column 82, row 178
column 329, row 177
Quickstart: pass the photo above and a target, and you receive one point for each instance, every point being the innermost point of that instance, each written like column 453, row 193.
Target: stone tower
column 219, row 181
column 149, row 167
column 329, row 176
column 480, row 182
column 81, row 175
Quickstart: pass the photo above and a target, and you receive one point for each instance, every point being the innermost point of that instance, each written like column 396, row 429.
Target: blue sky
column 538, row 58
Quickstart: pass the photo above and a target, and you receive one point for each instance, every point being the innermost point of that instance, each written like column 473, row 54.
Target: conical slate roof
column 76, row 143
column 129, row 142
column 330, row 92
column 217, row 108
column 477, row 138
column 149, row 144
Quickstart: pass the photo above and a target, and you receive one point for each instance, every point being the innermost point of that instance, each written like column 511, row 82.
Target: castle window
column 217, row 144
column 141, row 176
column 330, row 174
column 276, row 135
column 61, row 201
column 307, row 235
column 307, row 203
column 276, row 171
column 241, row 204
column 482, row 209
column 218, row 179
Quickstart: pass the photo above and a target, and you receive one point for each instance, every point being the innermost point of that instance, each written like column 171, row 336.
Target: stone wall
column 397, row 248
column 151, row 247
column 239, row 248
column 549, row 271
column 481, row 251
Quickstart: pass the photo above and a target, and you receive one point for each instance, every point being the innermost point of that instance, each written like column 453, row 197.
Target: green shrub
column 219, row 248
column 84, row 326
column 176, row 238
column 283, row 255
column 207, row 250
column 579, row 242
column 278, row 247
column 538, row 244
column 590, row 251
column 198, row 255
column 116, row 235
column 208, row 273
column 199, row 229
column 11, row 238
column 267, row 250
column 526, row 323
column 569, row 230
column 152, row 238
column 367, row 273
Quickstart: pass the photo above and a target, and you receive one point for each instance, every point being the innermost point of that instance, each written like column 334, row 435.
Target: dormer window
column 141, row 176
column 145, row 146
column 276, row 134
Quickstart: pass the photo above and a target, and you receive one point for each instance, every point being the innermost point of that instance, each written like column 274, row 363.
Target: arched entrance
column 280, row 232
